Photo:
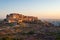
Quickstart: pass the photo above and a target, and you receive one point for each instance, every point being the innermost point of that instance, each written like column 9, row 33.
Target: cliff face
column 15, row 17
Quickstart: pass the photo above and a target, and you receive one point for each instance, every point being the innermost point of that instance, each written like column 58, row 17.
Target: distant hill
column 56, row 22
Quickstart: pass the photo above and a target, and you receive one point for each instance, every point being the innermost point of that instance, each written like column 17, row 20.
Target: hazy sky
column 41, row 8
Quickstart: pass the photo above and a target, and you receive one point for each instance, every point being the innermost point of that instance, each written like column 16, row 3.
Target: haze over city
column 46, row 9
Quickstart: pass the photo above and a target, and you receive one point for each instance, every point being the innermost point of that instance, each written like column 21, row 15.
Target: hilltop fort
column 16, row 17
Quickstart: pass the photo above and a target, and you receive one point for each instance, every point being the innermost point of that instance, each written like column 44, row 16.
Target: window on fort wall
column 14, row 17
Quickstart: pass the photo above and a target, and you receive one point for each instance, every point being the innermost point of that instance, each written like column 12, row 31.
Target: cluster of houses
column 16, row 17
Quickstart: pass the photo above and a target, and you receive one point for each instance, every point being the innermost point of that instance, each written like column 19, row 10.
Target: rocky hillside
column 29, row 31
column 12, row 29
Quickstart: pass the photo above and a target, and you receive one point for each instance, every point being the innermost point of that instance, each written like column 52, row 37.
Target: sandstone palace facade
column 15, row 17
